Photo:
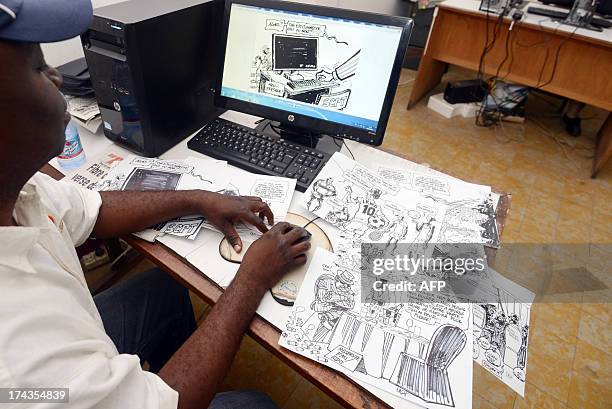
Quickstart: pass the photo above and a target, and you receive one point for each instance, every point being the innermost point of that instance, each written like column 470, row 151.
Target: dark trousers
column 150, row 315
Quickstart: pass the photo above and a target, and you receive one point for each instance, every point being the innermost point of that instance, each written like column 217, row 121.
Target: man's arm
column 197, row 369
column 124, row 212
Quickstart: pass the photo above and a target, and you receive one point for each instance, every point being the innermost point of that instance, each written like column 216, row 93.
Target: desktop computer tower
column 153, row 66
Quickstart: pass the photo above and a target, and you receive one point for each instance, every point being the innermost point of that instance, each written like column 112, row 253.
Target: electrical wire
column 564, row 145
column 554, row 67
column 482, row 117
column 539, row 85
column 506, row 55
column 348, row 149
column 310, row 222
column 336, row 139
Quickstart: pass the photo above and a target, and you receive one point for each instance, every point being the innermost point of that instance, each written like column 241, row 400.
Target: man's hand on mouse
column 225, row 212
column 275, row 253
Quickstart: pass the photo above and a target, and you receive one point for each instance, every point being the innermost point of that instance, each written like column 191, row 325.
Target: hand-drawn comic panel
column 501, row 334
column 415, row 353
column 146, row 179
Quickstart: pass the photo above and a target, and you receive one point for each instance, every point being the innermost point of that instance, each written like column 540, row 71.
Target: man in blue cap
column 52, row 332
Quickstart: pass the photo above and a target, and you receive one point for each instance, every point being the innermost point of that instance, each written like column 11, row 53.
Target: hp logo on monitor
column 291, row 118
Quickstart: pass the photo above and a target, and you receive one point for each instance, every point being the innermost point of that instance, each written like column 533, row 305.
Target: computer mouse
column 304, row 238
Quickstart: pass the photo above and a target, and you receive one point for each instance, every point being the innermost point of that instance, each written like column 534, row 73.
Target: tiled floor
column 553, row 200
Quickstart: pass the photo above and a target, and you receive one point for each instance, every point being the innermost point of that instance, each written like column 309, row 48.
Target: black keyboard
column 258, row 153
column 304, row 84
column 561, row 15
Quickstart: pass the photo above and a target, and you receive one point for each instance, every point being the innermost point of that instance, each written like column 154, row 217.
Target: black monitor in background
column 560, row 3
column 313, row 69
column 604, row 7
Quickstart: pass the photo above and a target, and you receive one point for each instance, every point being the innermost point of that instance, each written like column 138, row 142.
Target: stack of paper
column 407, row 353
column 85, row 111
column 139, row 173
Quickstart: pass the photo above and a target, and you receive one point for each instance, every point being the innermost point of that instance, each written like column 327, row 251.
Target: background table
column 581, row 72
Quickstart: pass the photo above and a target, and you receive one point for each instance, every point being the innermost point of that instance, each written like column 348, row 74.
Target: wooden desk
column 583, row 69
column 333, row 383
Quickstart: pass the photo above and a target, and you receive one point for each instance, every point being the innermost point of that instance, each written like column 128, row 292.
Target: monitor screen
column 333, row 69
column 294, row 53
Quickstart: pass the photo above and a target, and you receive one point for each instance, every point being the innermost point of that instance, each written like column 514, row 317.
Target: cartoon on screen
column 303, row 62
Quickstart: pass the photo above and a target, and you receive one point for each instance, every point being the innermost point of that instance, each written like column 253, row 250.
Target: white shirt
column 51, row 334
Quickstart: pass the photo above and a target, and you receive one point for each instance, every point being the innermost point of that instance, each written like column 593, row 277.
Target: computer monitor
column 604, row 7
column 561, row 3
column 312, row 68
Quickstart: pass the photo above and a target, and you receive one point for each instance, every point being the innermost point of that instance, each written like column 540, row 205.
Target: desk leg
column 603, row 149
column 429, row 75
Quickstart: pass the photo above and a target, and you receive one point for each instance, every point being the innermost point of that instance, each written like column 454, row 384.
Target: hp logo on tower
column 291, row 118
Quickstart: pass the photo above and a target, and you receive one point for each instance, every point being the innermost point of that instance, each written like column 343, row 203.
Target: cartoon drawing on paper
column 413, row 226
column 333, row 296
column 469, row 210
column 366, row 207
column 111, row 182
column 365, row 212
column 428, row 377
column 501, row 334
column 322, row 189
column 148, row 179
column 469, row 221
column 138, row 173
column 501, row 310
column 392, row 346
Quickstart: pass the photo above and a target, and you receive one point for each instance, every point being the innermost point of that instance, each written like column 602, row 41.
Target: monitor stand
column 301, row 136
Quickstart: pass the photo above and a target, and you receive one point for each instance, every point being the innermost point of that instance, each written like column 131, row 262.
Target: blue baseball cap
column 43, row 21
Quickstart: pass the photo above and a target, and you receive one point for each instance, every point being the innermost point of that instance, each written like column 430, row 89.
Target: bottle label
column 72, row 146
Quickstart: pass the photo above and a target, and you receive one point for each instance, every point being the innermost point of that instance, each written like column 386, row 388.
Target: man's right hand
column 275, row 253
column 214, row 344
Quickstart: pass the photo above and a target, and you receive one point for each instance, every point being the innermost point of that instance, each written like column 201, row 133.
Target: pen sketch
column 501, row 331
column 501, row 313
column 397, row 347
column 366, row 207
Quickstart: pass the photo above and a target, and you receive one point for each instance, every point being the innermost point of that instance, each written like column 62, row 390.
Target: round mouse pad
column 285, row 291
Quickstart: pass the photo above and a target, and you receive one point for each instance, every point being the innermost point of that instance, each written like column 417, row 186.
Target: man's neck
column 6, row 215
column 11, row 186
column 8, row 199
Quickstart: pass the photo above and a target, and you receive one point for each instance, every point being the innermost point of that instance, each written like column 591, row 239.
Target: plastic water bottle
column 73, row 155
